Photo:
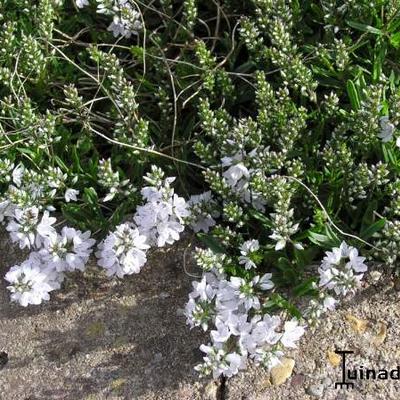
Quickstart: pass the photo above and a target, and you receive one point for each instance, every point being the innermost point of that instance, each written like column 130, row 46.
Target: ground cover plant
column 268, row 128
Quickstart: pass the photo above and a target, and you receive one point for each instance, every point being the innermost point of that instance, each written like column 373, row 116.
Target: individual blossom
column 18, row 174
column 387, row 129
column 199, row 313
column 126, row 17
column 202, row 212
column 248, row 250
column 70, row 195
column 239, row 291
column 292, row 333
column 236, row 171
column 68, row 251
column 267, row 357
column 123, row 252
column 81, row 3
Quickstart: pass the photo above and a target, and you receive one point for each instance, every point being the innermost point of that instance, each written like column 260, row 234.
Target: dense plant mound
column 277, row 118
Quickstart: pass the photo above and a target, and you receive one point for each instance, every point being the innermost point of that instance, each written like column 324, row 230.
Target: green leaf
column 61, row 163
column 353, row 95
column 305, row 288
column 372, row 229
column 364, row 27
column 90, row 197
column 317, row 238
column 261, row 217
column 395, row 40
column 276, row 300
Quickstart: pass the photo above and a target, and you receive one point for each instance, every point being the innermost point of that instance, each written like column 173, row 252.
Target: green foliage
column 285, row 89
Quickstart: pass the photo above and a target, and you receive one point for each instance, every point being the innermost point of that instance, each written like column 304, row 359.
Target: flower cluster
column 161, row 219
column 156, row 223
column 123, row 252
column 126, row 17
column 342, row 269
column 52, row 255
column 241, row 330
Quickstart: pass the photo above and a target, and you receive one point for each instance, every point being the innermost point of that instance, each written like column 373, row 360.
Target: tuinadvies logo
column 362, row 373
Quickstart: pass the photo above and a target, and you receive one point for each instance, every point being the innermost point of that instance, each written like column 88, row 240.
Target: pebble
column 297, row 380
column 281, row 372
column 327, row 382
column 316, row 390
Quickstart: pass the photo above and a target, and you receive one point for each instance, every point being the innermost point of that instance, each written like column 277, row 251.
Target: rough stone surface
column 102, row 339
column 108, row 339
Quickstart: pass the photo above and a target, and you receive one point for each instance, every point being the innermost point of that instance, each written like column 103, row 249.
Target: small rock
column 358, row 325
column 297, row 380
column 327, row 382
column 157, row 357
column 334, row 359
column 282, row 372
column 375, row 275
column 315, row 390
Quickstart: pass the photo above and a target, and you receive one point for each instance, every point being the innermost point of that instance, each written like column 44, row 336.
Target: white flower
column 246, row 250
column 202, row 290
column 355, row 261
column 341, row 269
column 329, row 303
column 280, row 241
column 123, row 251
column 236, row 172
column 199, row 313
column 264, row 332
column 222, row 334
column 82, row 3
column 245, row 292
column 292, row 333
column 387, row 129
column 70, row 194
column 26, row 229
column 219, row 362
column 161, row 219
column 126, row 19
column 265, row 282
column 68, row 251
column 202, row 212
column 30, row 283
column 267, row 358
column 18, row 174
